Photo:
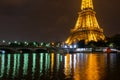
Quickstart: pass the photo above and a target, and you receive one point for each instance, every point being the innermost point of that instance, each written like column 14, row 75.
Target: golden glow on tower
column 86, row 27
column 86, row 4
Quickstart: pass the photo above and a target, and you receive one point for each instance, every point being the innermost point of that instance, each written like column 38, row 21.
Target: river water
column 55, row 66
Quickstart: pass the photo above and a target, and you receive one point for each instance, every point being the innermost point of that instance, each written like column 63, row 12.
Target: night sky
column 51, row 20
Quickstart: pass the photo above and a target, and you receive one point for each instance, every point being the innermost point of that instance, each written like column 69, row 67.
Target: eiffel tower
column 87, row 27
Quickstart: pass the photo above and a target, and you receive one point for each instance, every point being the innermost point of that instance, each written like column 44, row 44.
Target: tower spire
column 86, row 27
column 87, row 4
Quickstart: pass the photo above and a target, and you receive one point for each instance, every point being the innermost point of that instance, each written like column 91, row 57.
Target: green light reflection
column 2, row 65
column 14, row 65
column 34, row 64
column 58, row 59
column 18, row 63
column 46, row 61
column 8, row 64
column 25, row 64
column 41, row 63
column 61, row 58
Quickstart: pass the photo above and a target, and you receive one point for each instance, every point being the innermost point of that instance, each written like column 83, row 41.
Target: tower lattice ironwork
column 87, row 27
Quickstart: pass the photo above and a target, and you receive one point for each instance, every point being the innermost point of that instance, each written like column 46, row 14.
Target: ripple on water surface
column 55, row 66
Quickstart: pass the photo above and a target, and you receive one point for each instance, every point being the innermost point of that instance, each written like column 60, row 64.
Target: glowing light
column 42, row 44
column 34, row 43
column 25, row 64
column 111, row 45
column 92, row 69
column 87, row 4
column 3, row 51
column 3, row 41
column 71, row 46
column 26, row 43
column 52, row 61
column 34, row 64
column 53, row 43
column 18, row 63
column 2, row 65
column 41, row 63
column 65, row 46
column 15, row 42
column 8, row 64
column 14, row 65
column 48, row 45
column 67, row 68
column 9, row 43
column 46, row 61
column 77, row 67
column 75, row 46
column 86, row 27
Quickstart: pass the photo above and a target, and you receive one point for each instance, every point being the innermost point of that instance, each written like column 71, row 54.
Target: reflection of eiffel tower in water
column 87, row 27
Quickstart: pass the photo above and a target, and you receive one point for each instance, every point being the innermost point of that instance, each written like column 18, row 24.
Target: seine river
column 55, row 66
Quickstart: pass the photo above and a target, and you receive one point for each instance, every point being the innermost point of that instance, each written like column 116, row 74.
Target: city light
column 3, row 41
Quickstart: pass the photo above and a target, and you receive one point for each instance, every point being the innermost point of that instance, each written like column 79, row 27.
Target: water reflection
column 67, row 68
column 8, row 64
column 14, row 64
column 92, row 69
column 52, row 62
column 47, row 66
column 25, row 64
column 33, row 64
column 41, row 63
column 2, row 66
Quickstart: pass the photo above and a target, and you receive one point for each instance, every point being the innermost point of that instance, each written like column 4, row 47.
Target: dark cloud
column 51, row 20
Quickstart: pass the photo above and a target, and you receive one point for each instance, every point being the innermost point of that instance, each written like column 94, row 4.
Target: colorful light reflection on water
column 53, row 66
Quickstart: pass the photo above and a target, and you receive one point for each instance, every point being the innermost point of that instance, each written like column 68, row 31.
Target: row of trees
column 32, row 44
column 113, row 41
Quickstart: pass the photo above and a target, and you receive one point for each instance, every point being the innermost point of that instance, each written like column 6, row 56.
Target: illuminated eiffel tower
column 87, row 27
